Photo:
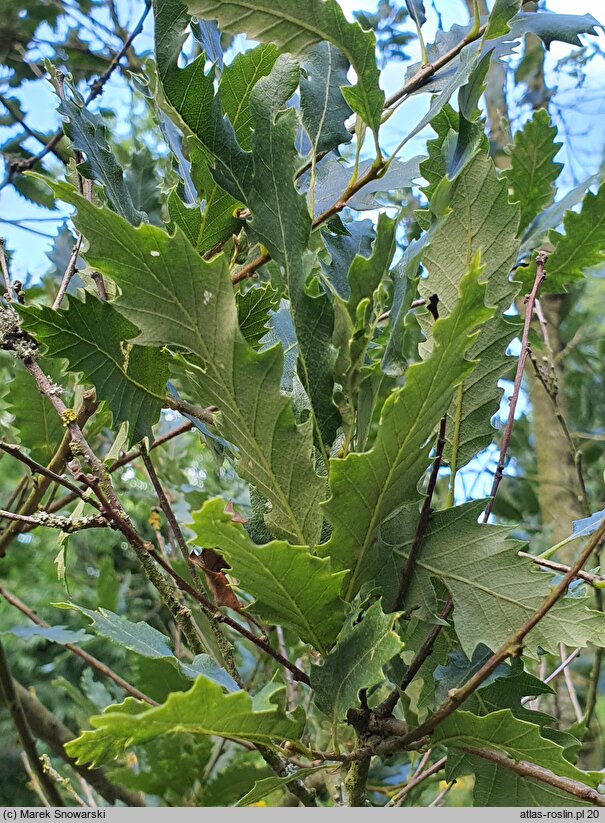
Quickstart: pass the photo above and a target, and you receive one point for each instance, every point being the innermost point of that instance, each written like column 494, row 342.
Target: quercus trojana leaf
column 480, row 219
column 355, row 663
column 291, row 587
column 322, row 105
column 178, row 299
column 297, row 25
column 582, row 247
column 367, row 488
column 93, row 337
column 502, row 731
column 533, row 171
column 143, row 639
column 203, row 710
column 281, row 222
column 490, row 585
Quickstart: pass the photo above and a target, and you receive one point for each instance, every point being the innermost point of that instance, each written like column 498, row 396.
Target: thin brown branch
column 416, row 780
column 224, row 645
column 69, row 272
column 531, row 770
column 123, row 461
column 56, row 466
column 430, row 69
column 87, row 658
column 506, row 435
column 98, row 85
column 53, row 521
column 10, row 292
column 425, row 513
column 13, row 704
column 373, row 172
column 592, row 579
column 569, row 685
column 182, row 406
column 37, row 468
column 387, row 706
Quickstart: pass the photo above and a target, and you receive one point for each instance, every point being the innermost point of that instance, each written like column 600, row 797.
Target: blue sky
column 586, row 125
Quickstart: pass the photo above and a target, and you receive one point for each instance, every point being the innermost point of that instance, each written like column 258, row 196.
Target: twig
column 38, row 468
column 87, row 658
column 561, row 667
column 57, row 466
column 529, row 303
column 530, row 770
column 69, row 273
column 426, row 72
column 34, row 782
column 387, row 706
column 54, row 521
column 373, row 172
column 408, row 570
column 97, row 87
column 571, row 689
column 415, row 781
column 205, row 415
column 224, row 645
column 591, row 579
column 13, row 704
column 442, row 794
column 123, row 461
column 60, row 781
column 7, row 280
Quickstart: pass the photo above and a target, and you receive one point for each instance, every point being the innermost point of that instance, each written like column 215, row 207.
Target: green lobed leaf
column 253, row 307
column 480, row 219
column 553, row 216
column 500, row 18
column 355, row 663
column 496, row 786
column 533, row 173
column 178, row 299
column 502, row 731
column 270, row 784
column 281, row 222
column 291, row 587
column 203, row 710
column 367, row 488
column 55, row 634
column 490, row 585
column 190, row 98
column 87, row 132
column 213, row 221
column 143, row 639
column 356, row 319
column 297, row 25
column 322, row 106
column 92, row 337
column 582, row 247
column 343, row 248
